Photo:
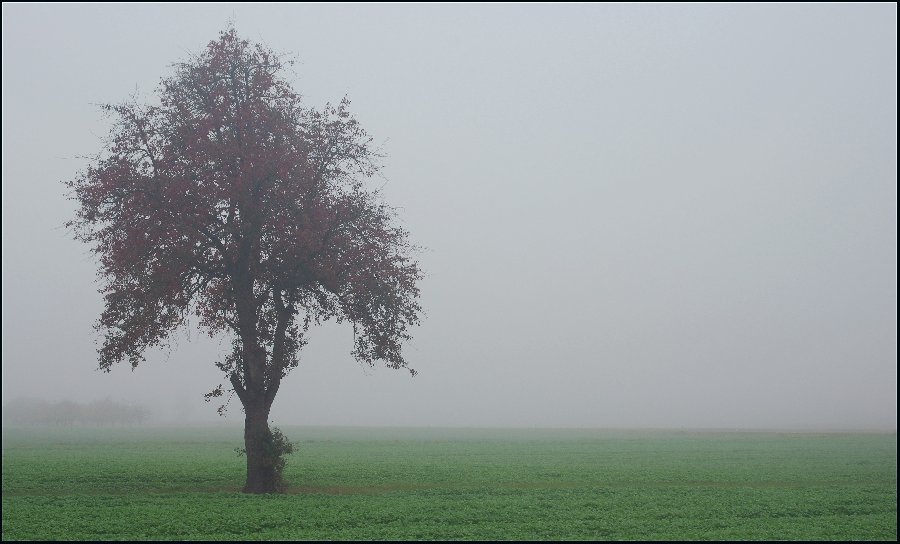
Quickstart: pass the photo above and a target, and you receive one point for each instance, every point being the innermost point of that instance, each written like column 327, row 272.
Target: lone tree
column 231, row 201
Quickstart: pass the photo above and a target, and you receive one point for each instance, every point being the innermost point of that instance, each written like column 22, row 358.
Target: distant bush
column 22, row 411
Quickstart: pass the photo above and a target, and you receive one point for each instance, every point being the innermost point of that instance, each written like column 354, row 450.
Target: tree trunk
column 261, row 476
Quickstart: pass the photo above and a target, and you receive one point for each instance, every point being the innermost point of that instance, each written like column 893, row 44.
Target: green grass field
column 452, row 484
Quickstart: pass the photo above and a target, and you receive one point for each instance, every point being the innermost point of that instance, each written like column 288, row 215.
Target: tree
column 231, row 202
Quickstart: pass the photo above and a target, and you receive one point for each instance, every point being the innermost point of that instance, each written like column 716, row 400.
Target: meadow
column 399, row 484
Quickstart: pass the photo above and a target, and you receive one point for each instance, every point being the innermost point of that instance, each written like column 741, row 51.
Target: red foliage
column 232, row 201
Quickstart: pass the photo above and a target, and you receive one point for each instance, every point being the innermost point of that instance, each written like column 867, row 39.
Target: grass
column 395, row 484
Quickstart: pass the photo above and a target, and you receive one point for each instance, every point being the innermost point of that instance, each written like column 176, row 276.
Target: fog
column 655, row 216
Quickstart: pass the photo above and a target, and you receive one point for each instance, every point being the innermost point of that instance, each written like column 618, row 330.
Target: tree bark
column 261, row 476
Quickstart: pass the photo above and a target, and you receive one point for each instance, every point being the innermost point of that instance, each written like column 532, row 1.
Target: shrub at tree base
column 274, row 446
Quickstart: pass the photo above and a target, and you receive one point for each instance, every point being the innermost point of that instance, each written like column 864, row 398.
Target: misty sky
column 634, row 215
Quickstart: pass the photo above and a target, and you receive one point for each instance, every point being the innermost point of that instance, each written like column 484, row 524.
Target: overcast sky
column 634, row 215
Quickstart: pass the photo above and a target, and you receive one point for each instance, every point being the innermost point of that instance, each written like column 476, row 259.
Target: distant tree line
column 68, row 413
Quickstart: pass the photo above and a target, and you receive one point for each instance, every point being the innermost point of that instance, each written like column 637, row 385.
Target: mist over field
column 652, row 216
